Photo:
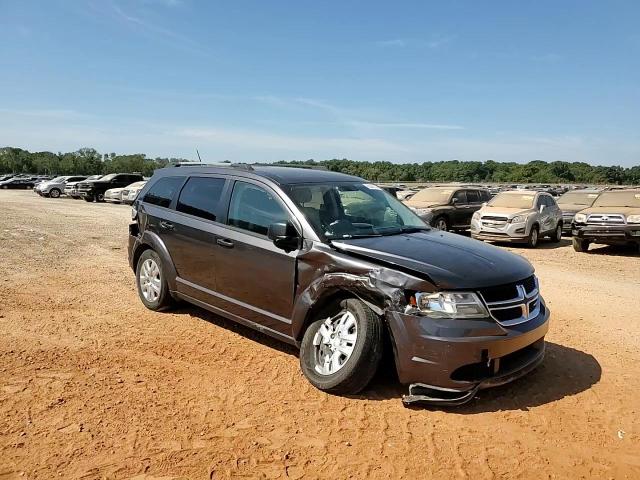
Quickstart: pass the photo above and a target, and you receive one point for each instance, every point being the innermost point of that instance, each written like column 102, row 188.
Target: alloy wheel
column 150, row 281
column 334, row 342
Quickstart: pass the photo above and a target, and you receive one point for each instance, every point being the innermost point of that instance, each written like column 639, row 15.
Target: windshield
column 618, row 199
column 350, row 210
column 57, row 179
column 109, row 177
column 433, row 195
column 578, row 198
column 94, row 177
column 513, row 200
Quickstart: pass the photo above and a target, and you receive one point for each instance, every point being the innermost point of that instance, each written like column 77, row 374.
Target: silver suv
column 54, row 188
column 519, row 217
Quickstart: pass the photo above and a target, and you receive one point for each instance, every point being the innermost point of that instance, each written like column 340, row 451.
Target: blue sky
column 273, row 80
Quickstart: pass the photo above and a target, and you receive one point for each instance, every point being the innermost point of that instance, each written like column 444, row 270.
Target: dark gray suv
column 334, row 265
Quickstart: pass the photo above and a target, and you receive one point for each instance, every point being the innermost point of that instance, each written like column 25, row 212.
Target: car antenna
column 199, row 159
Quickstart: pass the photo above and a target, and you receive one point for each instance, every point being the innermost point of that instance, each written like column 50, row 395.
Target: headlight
column 422, row 211
column 519, row 219
column 633, row 219
column 476, row 216
column 580, row 218
column 450, row 305
column 134, row 212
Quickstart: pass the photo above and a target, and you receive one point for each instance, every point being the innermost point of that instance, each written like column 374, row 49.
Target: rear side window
column 200, row 197
column 161, row 193
column 252, row 208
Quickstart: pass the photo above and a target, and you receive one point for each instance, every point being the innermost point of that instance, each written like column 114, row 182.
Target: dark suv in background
column 94, row 190
column 448, row 208
column 334, row 265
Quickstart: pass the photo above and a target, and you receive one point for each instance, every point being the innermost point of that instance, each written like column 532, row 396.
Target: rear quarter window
column 161, row 193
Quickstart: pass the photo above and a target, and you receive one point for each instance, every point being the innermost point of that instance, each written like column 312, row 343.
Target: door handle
column 166, row 225
column 223, row 242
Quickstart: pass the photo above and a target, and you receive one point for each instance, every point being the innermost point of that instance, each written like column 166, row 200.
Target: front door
column 255, row 279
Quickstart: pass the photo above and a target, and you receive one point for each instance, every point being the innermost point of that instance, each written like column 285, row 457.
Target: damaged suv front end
column 463, row 315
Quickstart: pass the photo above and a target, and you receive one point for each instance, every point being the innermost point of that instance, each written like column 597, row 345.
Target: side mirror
column 542, row 208
column 484, row 204
column 284, row 236
column 454, row 201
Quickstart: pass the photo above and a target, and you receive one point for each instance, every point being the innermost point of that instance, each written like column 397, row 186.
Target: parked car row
column 114, row 187
column 608, row 216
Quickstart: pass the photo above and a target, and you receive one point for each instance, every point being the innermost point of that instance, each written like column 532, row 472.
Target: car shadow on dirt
column 565, row 371
column 614, row 250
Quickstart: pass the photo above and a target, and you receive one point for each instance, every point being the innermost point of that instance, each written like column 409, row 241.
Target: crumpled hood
column 451, row 261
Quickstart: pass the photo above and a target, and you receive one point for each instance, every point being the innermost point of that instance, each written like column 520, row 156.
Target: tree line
column 88, row 161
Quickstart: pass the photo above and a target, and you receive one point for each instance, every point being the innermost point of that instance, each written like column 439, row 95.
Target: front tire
column 88, row 199
column 440, row 223
column 54, row 193
column 341, row 350
column 152, row 285
column 580, row 245
column 557, row 235
column 534, row 236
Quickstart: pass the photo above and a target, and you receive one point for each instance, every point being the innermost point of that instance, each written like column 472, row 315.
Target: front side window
column 460, row 197
column 200, row 197
column 473, row 196
column 348, row 210
column 161, row 193
column 252, row 208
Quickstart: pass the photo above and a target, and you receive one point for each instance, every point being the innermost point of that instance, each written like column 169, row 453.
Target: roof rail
column 240, row 166
column 293, row 165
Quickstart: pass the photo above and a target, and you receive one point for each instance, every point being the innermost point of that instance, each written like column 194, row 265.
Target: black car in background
column 94, row 190
column 24, row 183
column 448, row 208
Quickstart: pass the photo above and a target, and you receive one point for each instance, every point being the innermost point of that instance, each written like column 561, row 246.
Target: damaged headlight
column 449, row 305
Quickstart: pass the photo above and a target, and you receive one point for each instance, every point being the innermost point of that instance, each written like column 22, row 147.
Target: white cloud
column 428, row 126
column 434, row 42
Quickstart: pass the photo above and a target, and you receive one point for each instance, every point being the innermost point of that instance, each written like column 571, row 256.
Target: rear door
column 195, row 223
column 256, row 279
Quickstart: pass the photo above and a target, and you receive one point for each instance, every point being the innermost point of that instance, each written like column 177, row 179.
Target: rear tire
column 151, row 282
column 100, row 197
column 88, row 199
column 580, row 245
column 534, row 236
column 362, row 363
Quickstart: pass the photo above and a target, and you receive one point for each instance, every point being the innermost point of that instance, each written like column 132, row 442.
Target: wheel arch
column 151, row 241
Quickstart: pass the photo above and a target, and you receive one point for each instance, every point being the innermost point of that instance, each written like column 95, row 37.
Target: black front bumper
column 607, row 234
column 446, row 362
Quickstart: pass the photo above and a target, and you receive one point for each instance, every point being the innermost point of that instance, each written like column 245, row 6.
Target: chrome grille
column 606, row 219
column 514, row 303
